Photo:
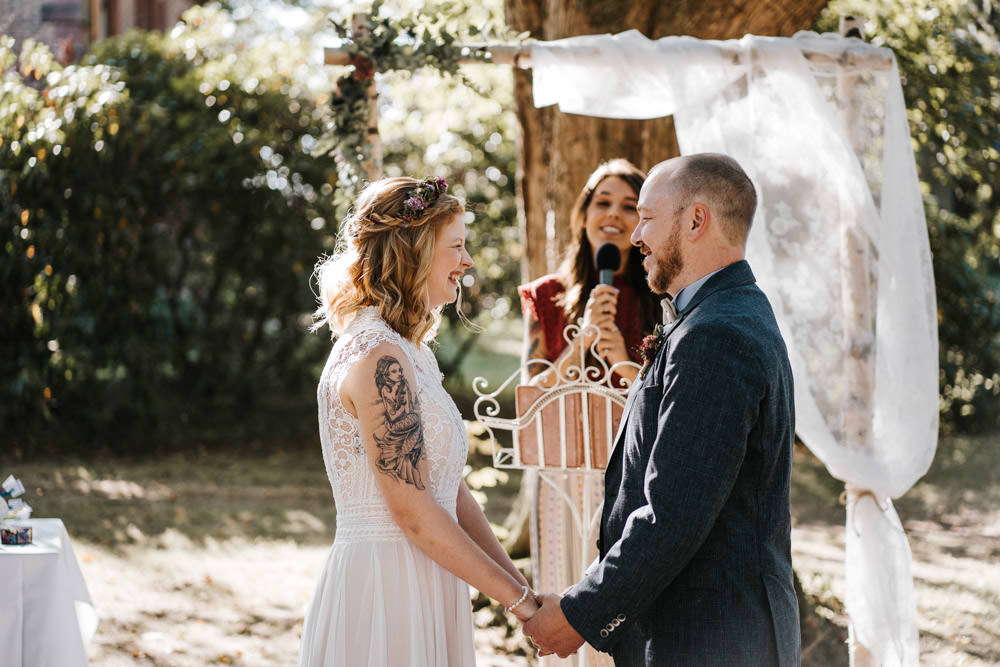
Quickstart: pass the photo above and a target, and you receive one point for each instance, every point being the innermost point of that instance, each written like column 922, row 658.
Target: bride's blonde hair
column 383, row 257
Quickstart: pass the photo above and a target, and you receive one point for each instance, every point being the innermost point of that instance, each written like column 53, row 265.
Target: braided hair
column 383, row 256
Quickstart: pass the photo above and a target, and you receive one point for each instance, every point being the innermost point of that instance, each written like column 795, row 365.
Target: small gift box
column 12, row 507
column 15, row 534
column 11, row 488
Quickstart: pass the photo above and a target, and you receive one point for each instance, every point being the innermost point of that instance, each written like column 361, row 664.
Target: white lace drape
column 839, row 245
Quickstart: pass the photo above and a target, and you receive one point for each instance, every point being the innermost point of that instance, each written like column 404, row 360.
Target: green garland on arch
column 407, row 43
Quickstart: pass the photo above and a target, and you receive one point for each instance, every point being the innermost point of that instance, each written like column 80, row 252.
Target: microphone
column 608, row 260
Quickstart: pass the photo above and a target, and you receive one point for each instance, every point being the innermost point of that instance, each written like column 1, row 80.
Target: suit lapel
column 634, row 390
column 734, row 275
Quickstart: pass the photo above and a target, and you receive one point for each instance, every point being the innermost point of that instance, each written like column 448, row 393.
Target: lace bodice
column 362, row 513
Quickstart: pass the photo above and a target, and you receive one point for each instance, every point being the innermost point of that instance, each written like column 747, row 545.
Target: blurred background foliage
column 163, row 213
column 949, row 59
column 162, row 210
column 163, row 219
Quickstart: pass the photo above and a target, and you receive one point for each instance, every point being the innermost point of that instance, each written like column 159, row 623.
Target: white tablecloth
column 46, row 616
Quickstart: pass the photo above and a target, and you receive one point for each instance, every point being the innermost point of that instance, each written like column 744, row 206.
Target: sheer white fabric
column 380, row 600
column 557, row 546
column 839, row 245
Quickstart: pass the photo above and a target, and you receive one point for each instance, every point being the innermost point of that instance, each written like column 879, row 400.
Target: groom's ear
column 698, row 222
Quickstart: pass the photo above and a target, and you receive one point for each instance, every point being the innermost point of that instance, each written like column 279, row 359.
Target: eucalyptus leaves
column 384, row 44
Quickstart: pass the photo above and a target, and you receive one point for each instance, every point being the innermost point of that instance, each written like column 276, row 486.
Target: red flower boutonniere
column 650, row 346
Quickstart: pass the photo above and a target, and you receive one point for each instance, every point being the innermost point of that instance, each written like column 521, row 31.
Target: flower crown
column 423, row 196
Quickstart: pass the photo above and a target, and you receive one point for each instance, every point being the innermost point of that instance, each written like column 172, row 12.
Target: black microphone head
column 608, row 257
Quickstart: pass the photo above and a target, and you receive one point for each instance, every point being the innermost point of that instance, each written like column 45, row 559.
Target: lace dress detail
column 380, row 600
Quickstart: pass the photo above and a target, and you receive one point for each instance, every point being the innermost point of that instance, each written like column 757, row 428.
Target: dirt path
column 238, row 603
column 952, row 521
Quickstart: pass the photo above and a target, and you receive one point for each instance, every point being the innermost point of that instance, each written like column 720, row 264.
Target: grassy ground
column 952, row 520
column 198, row 558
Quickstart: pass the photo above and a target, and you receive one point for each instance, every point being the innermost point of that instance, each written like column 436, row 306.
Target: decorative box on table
column 12, row 507
column 15, row 534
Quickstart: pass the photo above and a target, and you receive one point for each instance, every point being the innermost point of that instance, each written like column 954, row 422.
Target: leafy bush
column 162, row 217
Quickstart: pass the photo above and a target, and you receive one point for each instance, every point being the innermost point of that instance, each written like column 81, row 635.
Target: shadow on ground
column 188, row 498
column 210, row 554
column 952, row 520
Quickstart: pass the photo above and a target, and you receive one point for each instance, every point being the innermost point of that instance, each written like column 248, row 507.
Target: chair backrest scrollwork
column 567, row 423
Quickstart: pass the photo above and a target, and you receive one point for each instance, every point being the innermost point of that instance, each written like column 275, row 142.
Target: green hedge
column 161, row 218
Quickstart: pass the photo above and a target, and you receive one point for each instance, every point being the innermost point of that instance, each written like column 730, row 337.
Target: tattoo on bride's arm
column 401, row 443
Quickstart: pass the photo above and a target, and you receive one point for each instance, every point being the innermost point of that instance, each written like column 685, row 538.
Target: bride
column 410, row 536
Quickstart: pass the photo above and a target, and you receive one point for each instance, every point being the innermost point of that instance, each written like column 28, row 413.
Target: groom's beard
column 669, row 265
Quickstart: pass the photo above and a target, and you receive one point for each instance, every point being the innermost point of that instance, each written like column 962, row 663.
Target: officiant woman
column 625, row 312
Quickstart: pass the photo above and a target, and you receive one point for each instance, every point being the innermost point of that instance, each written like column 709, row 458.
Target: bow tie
column 669, row 310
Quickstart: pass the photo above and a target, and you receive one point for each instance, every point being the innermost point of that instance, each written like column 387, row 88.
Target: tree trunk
column 558, row 151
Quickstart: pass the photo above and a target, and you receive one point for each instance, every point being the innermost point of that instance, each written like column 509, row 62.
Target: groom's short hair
column 719, row 181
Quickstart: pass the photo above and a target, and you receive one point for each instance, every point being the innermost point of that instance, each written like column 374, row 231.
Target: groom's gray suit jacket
column 695, row 560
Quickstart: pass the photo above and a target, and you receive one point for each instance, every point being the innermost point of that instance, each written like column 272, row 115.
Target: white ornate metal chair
column 564, row 433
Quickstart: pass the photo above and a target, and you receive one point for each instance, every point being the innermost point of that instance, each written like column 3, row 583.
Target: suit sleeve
column 711, row 386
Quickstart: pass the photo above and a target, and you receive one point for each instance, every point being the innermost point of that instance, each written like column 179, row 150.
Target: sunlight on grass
column 205, row 553
column 119, row 502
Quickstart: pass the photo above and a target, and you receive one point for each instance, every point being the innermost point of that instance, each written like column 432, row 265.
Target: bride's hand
column 526, row 609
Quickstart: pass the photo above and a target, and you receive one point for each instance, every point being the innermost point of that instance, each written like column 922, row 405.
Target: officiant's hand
column 549, row 630
column 600, row 311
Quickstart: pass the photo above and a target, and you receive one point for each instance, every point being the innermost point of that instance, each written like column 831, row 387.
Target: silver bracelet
column 524, row 596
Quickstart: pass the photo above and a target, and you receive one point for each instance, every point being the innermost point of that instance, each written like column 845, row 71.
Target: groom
column 695, row 561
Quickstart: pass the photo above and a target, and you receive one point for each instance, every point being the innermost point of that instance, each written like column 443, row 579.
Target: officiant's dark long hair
column 578, row 272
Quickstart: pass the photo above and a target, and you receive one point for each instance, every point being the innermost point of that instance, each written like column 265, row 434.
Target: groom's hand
column 549, row 630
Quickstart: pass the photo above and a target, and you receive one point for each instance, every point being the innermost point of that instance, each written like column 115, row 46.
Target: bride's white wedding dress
column 380, row 601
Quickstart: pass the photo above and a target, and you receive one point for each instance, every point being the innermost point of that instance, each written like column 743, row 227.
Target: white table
column 46, row 616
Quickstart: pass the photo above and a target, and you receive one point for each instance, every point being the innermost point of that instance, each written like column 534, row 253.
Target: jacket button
column 621, row 618
column 604, row 633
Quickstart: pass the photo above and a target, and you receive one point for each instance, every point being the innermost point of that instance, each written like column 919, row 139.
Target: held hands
column 524, row 608
column 552, row 634
column 600, row 311
column 549, row 630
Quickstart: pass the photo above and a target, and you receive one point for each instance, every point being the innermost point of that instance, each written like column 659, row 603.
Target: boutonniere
column 649, row 347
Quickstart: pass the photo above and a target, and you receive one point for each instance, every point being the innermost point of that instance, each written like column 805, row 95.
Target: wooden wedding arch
column 853, row 55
